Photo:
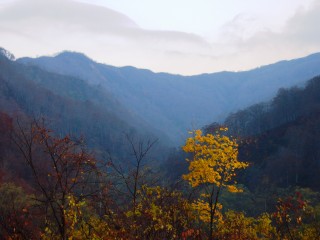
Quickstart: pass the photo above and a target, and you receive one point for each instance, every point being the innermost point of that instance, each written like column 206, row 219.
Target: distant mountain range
column 69, row 105
column 82, row 94
column 281, row 138
column 172, row 104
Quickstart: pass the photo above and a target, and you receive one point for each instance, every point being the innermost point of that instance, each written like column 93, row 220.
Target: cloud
column 42, row 27
column 299, row 37
column 37, row 16
column 46, row 26
column 303, row 27
column 242, row 27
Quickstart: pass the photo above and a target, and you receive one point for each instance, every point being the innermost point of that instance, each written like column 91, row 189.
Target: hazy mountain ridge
column 70, row 106
column 175, row 103
column 278, row 138
column 5, row 53
column 281, row 141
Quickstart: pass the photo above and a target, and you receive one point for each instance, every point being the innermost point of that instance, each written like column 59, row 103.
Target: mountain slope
column 174, row 103
column 281, row 138
column 70, row 105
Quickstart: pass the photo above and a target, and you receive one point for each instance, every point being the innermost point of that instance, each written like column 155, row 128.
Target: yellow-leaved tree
column 212, row 167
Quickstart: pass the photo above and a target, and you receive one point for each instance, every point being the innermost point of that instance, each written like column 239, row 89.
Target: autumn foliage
column 65, row 192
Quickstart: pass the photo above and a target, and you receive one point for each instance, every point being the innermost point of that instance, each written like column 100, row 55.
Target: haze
column 184, row 37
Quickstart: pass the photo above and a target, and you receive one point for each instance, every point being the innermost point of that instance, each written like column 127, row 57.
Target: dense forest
column 173, row 104
column 55, row 188
column 71, row 106
column 281, row 137
column 77, row 164
column 279, row 141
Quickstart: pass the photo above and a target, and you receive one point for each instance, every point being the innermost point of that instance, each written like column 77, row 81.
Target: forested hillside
column 175, row 104
column 281, row 137
column 54, row 188
column 70, row 106
column 77, row 161
column 279, row 140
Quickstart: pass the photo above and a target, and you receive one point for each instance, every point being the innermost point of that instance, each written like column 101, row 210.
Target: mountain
column 70, row 106
column 280, row 140
column 172, row 104
column 6, row 54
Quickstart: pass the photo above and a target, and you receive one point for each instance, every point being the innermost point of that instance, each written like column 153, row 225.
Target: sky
column 177, row 36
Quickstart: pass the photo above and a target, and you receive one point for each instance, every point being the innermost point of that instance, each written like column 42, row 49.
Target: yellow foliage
column 236, row 226
column 203, row 210
column 215, row 160
column 213, row 166
column 163, row 214
column 234, row 189
column 82, row 224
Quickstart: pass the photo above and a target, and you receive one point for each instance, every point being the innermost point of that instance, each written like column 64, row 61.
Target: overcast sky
column 176, row 36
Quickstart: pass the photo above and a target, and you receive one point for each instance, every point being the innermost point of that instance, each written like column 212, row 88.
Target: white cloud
column 37, row 27
column 299, row 37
